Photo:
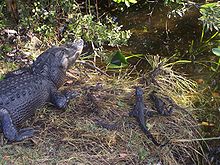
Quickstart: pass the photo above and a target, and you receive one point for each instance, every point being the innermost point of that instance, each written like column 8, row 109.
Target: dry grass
column 73, row 136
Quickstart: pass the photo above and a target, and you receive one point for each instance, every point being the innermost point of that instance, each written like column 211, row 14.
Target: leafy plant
column 179, row 7
column 2, row 21
column 97, row 32
column 210, row 16
column 6, row 48
column 119, row 60
column 178, row 11
column 169, row 2
column 216, row 51
column 51, row 19
column 40, row 19
column 127, row 2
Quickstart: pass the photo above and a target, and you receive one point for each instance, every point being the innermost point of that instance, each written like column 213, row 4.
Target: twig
column 201, row 139
column 94, row 67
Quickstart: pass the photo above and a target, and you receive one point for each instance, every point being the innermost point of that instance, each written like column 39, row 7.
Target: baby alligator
column 160, row 105
column 139, row 113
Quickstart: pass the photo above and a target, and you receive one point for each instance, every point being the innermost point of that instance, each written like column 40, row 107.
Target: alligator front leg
column 10, row 131
column 60, row 100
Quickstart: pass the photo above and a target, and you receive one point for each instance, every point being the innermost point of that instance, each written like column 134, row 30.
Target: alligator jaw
column 75, row 50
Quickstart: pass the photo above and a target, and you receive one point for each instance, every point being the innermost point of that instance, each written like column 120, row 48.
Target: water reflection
column 154, row 33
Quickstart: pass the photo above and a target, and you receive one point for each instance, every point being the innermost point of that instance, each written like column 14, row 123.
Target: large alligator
column 139, row 112
column 27, row 89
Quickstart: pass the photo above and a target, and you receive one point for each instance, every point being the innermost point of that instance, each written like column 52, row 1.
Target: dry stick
column 201, row 139
column 134, row 68
column 97, row 12
column 94, row 67
column 96, row 54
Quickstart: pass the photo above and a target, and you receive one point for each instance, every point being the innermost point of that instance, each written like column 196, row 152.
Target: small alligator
column 139, row 113
column 214, row 155
column 27, row 89
column 160, row 105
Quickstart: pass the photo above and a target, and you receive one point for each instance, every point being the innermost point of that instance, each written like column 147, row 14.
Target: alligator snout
column 76, row 46
column 74, row 50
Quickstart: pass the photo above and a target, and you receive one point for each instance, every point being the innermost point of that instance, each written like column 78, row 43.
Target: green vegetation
column 210, row 16
column 216, row 51
column 48, row 21
column 97, row 32
column 127, row 2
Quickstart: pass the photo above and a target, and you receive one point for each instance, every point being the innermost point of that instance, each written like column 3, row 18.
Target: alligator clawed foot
column 70, row 94
column 24, row 134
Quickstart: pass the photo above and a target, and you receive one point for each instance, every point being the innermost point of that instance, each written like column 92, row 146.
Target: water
column 156, row 34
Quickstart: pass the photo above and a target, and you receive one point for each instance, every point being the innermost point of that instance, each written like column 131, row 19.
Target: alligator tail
column 151, row 137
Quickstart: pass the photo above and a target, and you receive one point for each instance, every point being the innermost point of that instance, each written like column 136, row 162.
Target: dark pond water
column 155, row 34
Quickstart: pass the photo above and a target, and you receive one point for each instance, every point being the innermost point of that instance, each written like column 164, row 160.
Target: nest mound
column 96, row 128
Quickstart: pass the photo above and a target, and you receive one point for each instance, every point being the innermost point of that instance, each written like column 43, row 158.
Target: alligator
column 25, row 90
column 163, row 107
column 139, row 112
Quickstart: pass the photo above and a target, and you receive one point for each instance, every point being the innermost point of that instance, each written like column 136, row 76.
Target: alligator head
column 71, row 53
column 54, row 62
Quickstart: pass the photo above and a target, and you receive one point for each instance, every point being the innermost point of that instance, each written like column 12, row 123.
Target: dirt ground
column 96, row 128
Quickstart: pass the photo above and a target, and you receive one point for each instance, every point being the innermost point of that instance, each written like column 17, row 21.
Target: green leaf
column 117, row 1
column 113, row 66
column 127, row 3
column 134, row 55
column 209, row 5
column 132, row 1
column 216, row 51
column 118, row 59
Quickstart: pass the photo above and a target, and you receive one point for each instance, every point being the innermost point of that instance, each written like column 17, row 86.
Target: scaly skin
column 25, row 90
column 161, row 107
column 139, row 113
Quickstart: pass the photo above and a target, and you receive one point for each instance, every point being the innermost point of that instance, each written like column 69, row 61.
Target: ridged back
column 21, row 95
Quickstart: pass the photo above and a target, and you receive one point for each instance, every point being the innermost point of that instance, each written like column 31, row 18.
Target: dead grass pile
column 96, row 128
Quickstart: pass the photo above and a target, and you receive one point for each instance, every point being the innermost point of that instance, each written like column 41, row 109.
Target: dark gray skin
column 139, row 113
column 25, row 90
column 161, row 107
